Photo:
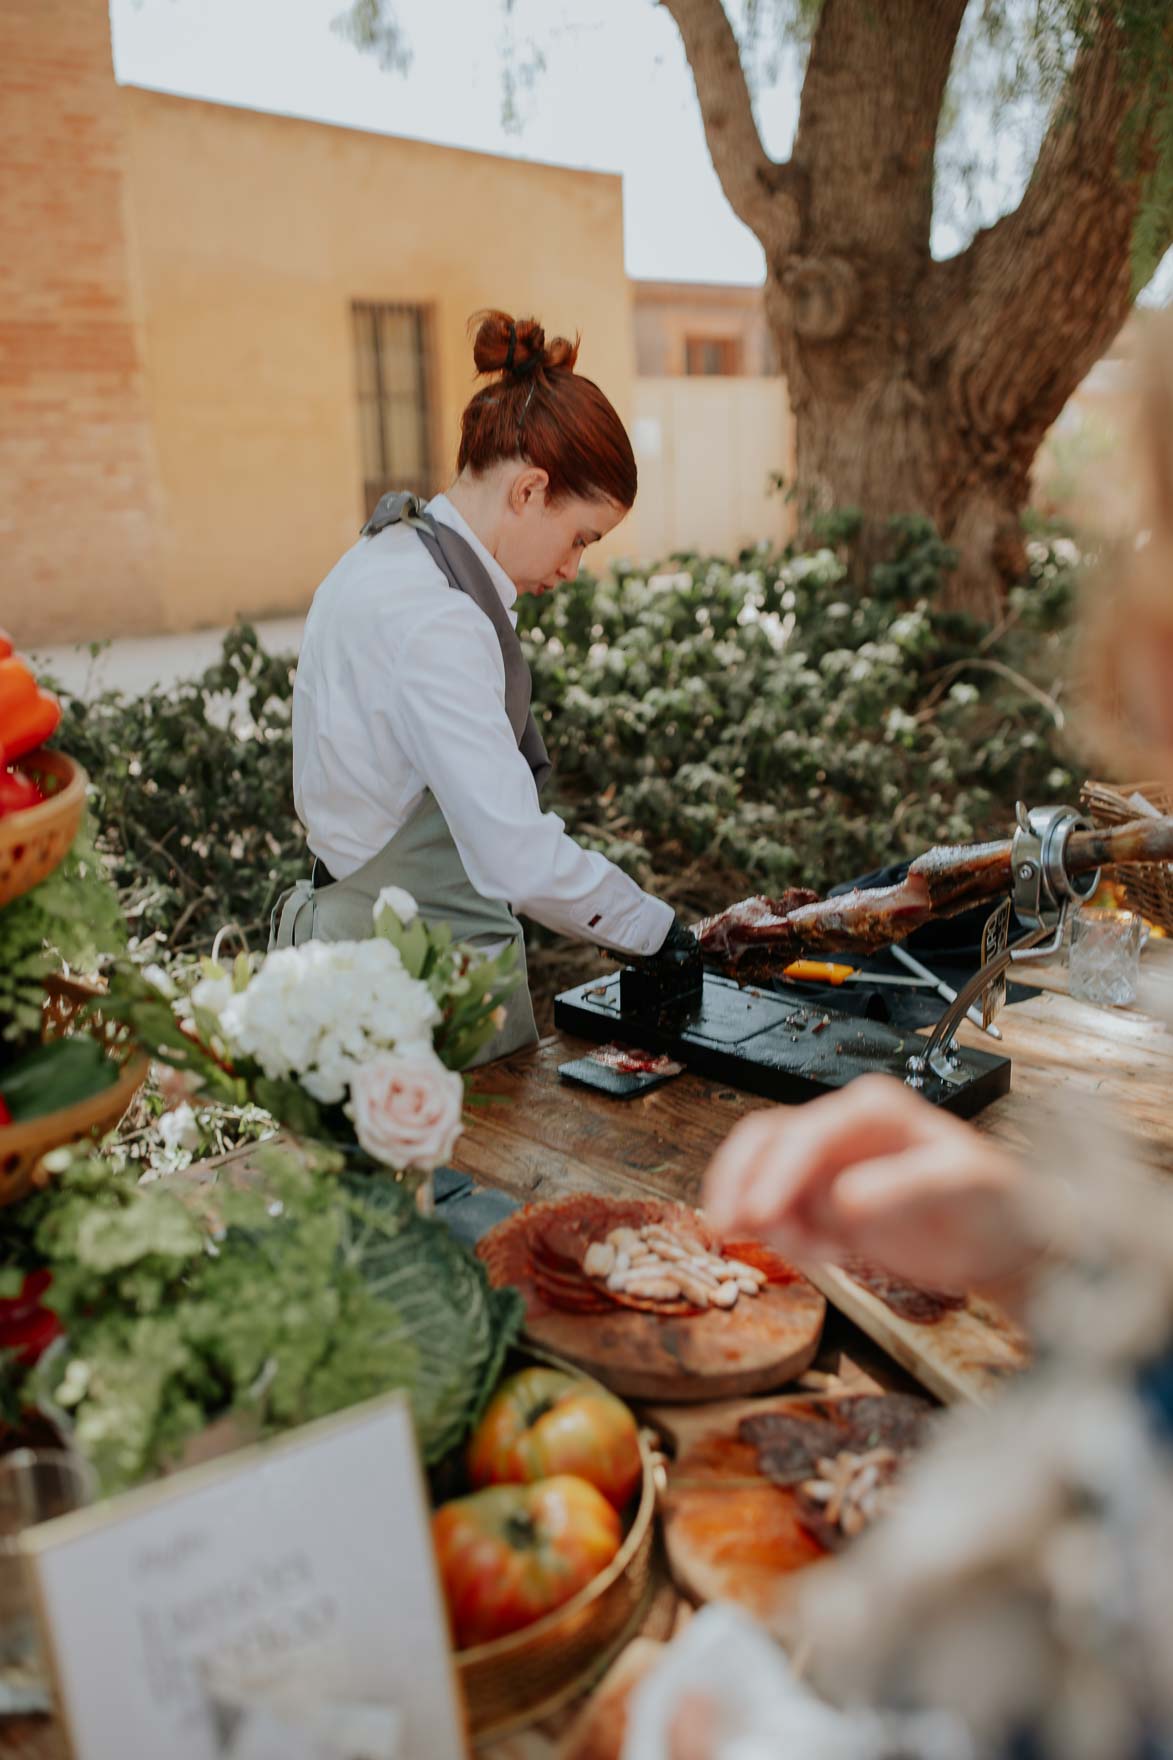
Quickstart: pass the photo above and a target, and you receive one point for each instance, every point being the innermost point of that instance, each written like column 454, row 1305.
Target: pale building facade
column 223, row 333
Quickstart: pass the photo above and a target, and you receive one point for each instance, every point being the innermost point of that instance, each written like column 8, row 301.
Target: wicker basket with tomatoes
column 64, row 1072
column 546, row 1557
column 76, row 1082
column 42, row 793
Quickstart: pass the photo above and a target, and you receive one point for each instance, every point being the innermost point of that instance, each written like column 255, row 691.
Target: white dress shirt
column 400, row 687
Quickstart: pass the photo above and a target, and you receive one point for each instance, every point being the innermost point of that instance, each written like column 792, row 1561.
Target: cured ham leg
column 760, row 936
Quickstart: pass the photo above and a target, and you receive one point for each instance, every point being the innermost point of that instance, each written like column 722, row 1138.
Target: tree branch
column 766, row 195
column 1026, row 310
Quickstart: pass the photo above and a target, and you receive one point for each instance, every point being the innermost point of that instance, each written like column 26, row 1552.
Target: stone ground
column 135, row 663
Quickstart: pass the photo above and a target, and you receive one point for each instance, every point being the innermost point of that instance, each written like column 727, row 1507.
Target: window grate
column 711, row 356
column 392, row 358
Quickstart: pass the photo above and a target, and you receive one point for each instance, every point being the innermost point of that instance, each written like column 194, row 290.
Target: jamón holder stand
column 1044, row 893
column 785, row 1048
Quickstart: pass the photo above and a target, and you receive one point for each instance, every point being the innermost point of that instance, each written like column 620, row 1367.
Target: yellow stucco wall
column 253, row 235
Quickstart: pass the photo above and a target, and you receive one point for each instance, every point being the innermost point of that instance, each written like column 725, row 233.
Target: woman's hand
column 874, row 1170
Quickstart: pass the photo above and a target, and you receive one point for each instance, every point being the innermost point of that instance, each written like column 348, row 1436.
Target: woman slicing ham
column 416, row 759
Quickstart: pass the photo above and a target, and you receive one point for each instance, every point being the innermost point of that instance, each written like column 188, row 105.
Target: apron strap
column 465, row 571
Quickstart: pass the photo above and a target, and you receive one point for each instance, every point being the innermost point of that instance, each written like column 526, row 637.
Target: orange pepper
column 18, row 688
column 26, row 732
column 28, row 715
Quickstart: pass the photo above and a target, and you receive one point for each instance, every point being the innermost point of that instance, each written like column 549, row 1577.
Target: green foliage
column 195, row 791
column 273, row 1303
column 760, row 726
column 71, row 918
column 715, row 726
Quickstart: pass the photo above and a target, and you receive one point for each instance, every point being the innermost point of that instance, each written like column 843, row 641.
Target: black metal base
column 768, row 1044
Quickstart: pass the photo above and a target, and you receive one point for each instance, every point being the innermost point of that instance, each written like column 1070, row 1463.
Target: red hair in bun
column 540, row 410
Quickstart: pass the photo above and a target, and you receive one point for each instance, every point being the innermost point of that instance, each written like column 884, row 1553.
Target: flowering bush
column 349, row 1041
column 763, row 724
column 718, row 726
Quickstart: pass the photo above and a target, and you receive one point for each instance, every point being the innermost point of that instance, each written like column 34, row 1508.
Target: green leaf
column 62, row 1073
column 290, row 1104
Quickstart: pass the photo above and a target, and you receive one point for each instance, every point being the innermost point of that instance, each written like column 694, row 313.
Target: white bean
column 599, row 1260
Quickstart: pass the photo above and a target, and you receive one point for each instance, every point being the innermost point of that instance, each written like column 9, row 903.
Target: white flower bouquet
column 350, row 1042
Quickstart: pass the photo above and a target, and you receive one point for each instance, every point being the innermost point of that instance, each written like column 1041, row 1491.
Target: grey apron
column 422, row 856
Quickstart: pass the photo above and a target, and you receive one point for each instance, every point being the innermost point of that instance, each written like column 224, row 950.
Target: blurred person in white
column 1018, row 1601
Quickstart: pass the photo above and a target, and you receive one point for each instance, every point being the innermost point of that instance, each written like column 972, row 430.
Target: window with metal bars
column 391, row 352
column 712, row 355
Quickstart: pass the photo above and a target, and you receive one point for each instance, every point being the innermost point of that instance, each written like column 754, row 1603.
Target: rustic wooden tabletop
column 537, row 1137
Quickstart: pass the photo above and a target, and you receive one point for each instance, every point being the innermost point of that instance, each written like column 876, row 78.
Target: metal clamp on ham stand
column 1044, row 892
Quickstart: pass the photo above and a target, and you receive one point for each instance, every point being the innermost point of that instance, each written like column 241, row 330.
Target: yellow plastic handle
column 818, row 971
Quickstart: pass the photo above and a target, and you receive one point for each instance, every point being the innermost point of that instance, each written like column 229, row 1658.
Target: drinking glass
column 1105, row 956
column 36, row 1484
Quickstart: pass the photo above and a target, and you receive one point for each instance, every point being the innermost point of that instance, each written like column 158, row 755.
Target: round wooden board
column 730, row 1532
column 759, row 1345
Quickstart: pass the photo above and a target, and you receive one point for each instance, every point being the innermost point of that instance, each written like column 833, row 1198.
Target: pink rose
column 406, row 1109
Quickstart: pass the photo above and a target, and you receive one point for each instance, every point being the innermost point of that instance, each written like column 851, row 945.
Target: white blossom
column 318, row 1012
column 212, row 994
column 394, row 898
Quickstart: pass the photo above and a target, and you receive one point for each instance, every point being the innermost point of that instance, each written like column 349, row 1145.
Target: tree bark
column 920, row 386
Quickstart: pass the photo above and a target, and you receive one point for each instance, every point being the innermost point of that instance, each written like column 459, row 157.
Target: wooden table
column 539, row 1137
column 536, row 1136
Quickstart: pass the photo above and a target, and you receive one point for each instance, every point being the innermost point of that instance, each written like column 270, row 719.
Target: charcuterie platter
column 758, row 1490
column 643, row 1295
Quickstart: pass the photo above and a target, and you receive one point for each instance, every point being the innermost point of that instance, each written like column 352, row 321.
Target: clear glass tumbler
column 1105, row 956
column 36, row 1484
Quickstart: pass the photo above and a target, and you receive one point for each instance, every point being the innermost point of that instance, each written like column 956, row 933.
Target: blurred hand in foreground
column 876, row 1171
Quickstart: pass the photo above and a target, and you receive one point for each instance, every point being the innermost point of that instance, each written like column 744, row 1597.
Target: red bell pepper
column 18, row 792
column 5, row 644
column 5, row 1115
column 25, row 1326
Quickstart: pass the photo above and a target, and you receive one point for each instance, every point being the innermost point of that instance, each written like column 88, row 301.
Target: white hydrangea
column 318, row 1011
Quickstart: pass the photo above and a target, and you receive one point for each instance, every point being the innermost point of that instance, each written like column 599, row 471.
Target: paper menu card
column 300, row 1569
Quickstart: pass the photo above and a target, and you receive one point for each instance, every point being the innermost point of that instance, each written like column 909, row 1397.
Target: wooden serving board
column 762, row 1343
column 730, row 1534
column 968, row 1354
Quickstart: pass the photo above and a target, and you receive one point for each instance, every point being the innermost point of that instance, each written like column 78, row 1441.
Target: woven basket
column 37, row 840
column 23, row 1147
column 1147, row 886
column 534, row 1672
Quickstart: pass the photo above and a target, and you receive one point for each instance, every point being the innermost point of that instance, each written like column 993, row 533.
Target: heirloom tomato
column 512, row 1553
column 544, row 1421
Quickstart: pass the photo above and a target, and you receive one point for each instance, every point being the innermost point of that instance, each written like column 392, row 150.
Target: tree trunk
column 922, row 387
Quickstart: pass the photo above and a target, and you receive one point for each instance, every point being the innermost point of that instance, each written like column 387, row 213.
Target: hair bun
column 517, row 347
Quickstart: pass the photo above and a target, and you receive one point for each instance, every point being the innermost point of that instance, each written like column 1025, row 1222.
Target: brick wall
column 78, row 495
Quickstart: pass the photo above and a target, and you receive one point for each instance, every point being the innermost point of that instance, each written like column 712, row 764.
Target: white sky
column 616, row 94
